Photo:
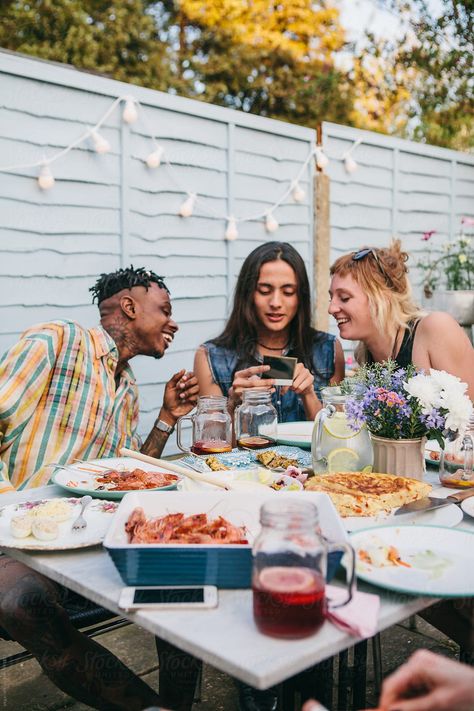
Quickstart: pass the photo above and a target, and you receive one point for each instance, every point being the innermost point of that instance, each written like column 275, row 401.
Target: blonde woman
column 371, row 300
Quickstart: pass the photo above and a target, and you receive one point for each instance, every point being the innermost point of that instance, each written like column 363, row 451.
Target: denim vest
column 223, row 364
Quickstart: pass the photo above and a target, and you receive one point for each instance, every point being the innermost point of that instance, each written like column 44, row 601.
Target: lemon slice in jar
column 343, row 459
column 337, row 426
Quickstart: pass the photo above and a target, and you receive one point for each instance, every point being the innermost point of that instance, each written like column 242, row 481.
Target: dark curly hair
column 109, row 284
column 241, row 331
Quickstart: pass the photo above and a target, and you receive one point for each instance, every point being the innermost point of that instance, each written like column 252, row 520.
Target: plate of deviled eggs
column 46, row 524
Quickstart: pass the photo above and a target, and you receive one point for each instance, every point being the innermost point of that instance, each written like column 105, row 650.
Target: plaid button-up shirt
column 59, row 401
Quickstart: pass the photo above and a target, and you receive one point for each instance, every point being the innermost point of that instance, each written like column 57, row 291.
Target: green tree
column 444, row 58
column 115, row 38
column 273, row 59
column 433, row 67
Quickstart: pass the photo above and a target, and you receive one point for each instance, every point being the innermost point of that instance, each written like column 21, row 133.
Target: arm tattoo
column 155, row 443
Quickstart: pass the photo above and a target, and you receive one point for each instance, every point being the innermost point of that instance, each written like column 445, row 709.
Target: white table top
column 225, row 637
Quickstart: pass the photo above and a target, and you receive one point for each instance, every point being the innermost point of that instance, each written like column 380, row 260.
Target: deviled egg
column 20, row 526
column 45, row 529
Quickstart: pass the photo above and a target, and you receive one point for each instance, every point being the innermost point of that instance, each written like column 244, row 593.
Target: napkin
column 359, row 617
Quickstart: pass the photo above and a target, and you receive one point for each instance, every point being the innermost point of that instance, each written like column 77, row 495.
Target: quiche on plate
column 367, row 494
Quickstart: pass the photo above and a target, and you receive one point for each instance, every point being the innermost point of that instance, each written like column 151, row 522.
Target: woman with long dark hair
column 271, row 315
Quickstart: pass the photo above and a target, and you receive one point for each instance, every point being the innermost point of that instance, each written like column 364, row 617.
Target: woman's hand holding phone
column 249, row 378
column 302, row 385
column 302, row 381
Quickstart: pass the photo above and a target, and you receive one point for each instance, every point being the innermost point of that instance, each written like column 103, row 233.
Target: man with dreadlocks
column 67, row 392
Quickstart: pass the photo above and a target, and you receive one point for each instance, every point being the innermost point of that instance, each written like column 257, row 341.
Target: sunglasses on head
column 363, row 253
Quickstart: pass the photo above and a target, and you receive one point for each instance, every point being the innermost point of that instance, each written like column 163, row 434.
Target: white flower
column 458, row 416
column 425, row 390
column 446, row 381
column 442, row 391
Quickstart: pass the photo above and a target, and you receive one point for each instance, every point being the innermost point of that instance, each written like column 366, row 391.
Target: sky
column 359, row 15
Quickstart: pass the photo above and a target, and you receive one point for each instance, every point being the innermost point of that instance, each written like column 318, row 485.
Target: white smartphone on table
column 166, row 597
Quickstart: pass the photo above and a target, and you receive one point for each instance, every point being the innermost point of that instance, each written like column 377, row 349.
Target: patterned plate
column 99, row 515
column 244, row 459
column 81, row 479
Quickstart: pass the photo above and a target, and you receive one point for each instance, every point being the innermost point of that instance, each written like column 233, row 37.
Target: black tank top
column 404, row 355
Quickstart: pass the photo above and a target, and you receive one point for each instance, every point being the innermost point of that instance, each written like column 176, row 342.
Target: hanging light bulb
column 45, row 177
column 101, row 144
column 349, row 164
column 298, row 193
column 130, row 113
column 186, row 209
column 321, row 158
column 271, row 225
column 154, row 159
column 231, row 232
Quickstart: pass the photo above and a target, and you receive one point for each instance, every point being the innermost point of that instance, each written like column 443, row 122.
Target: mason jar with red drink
column 211, row 427
column 289, row 570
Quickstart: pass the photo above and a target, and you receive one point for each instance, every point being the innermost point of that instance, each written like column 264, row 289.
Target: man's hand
column 181, row 394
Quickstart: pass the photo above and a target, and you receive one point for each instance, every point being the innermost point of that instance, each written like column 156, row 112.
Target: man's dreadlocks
column 109, row 284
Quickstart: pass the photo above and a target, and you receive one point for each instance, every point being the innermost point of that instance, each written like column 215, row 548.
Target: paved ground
column 24, row 688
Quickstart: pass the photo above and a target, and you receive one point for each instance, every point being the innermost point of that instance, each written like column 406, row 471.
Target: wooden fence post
column 321, row 251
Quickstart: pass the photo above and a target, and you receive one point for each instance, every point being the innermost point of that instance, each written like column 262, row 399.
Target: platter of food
column 298, row 434
column 112, row 478
column 433, row 453
column 199, row 537
column 46, row 524
column 276, row 456
column 419, row 560
column 365, row 499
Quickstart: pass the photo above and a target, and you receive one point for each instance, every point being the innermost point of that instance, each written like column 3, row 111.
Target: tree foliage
column 444, row 58
column 382, row 89
column 278, row 59
column 273, row 59
column 118, row 39
column 433, row 65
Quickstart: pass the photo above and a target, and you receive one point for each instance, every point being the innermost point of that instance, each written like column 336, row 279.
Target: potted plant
column 448, row 282
column 401, row 409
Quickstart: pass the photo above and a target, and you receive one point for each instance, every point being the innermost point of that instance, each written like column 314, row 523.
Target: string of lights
column 131, row 112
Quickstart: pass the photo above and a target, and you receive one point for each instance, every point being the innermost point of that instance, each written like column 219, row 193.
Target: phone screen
column 142, row 596
column 281, row 367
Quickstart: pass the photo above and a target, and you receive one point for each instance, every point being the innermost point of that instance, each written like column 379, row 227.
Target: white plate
column 468, row 506
column 448, row 516
column 297, row 434
column 99, row 515
column 77, row 480
column 454, row 576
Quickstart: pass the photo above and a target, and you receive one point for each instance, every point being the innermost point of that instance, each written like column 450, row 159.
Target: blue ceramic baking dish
column 226, row 566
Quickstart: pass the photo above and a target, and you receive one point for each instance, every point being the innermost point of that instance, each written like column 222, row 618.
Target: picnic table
column 224, row 637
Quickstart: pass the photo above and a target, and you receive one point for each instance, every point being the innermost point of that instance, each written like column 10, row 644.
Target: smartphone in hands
column 282, row 369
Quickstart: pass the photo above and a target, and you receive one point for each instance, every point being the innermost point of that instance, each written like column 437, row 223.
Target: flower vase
column 403, row 457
